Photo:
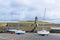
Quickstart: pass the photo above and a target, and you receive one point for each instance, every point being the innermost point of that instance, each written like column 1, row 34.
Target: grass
column 25, row 25
column 33, row 22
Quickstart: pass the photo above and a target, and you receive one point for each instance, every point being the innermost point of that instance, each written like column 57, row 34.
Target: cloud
column 53, row 14
column 18, row 10
column 50, row 1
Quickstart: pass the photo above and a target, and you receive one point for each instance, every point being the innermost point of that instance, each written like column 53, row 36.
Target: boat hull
column 43, row 33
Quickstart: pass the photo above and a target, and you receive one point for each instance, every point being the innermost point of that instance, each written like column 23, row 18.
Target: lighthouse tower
column 36, row 21
column 35, row 24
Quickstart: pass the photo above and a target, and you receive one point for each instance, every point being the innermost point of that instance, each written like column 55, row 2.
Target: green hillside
column 24, row 25
column 32, row 22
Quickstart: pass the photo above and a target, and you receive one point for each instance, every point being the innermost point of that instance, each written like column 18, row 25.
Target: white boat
column 19, row 32
column 16, row 31
column 11, row 30
column 43, row 32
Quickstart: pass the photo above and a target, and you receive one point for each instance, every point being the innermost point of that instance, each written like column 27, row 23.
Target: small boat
column 19, row 32
column 14, row 31
column 43, row 32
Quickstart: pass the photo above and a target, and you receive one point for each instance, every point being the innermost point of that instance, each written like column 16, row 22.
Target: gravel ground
column 28, row 36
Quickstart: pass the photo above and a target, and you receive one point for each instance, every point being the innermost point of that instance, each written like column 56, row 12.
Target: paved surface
column 28, row 36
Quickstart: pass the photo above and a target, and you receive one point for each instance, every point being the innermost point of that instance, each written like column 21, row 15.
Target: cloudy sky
column 18, row 10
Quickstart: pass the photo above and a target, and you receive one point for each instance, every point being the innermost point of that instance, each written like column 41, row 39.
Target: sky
column 20, row 10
